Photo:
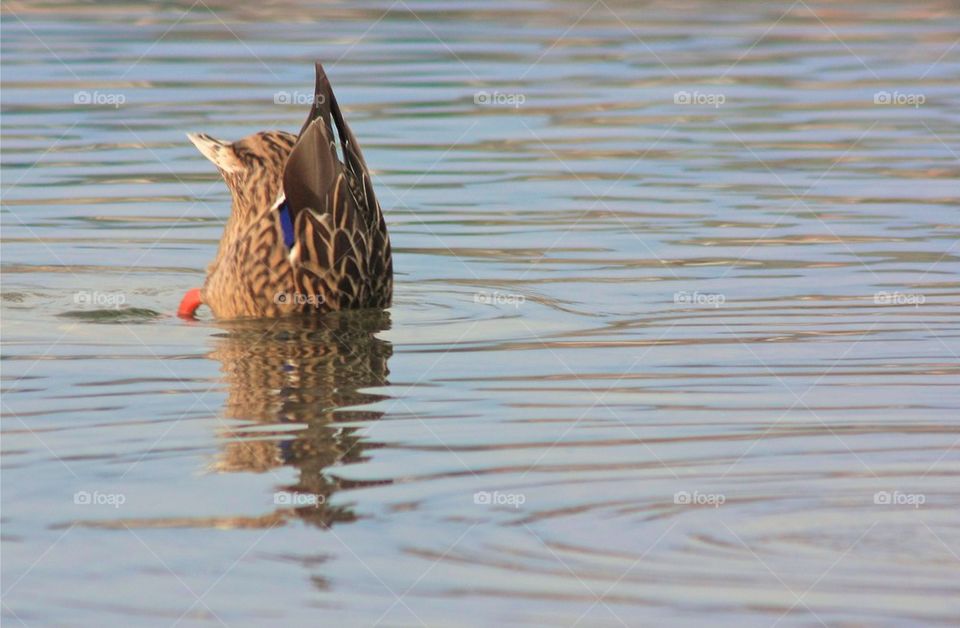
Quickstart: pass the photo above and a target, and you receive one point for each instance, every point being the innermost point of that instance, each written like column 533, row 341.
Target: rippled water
column 650, row 361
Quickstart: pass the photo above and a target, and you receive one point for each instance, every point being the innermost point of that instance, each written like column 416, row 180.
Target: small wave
column 114, row 315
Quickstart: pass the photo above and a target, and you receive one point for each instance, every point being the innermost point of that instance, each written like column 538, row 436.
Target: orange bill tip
column 191, row 301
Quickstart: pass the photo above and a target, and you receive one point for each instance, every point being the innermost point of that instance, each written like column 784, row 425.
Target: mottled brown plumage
column 340, row 255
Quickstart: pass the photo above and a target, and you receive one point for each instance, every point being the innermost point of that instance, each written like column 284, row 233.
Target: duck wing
column 339, row 245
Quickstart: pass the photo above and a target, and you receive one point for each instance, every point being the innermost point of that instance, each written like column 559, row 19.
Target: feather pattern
column 341, row 256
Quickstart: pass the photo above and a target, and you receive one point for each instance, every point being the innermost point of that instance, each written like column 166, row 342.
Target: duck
column 305, row 234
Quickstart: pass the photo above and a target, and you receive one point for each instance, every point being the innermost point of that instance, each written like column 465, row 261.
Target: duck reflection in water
column 299, row 372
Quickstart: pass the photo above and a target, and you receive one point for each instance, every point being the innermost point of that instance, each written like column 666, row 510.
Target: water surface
column 674, row 339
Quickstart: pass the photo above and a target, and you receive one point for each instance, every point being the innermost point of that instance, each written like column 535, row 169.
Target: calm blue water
column 675, row 335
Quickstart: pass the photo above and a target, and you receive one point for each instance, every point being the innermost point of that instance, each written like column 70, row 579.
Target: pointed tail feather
column 313, row 165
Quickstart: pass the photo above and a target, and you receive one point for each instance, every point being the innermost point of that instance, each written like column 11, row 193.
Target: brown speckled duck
column 305, row 233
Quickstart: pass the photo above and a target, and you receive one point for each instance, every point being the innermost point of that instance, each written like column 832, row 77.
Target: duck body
column 305, row 233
